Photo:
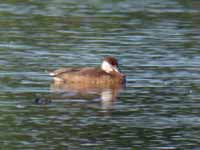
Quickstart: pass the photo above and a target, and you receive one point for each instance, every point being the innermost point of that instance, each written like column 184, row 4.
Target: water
column 157, row 44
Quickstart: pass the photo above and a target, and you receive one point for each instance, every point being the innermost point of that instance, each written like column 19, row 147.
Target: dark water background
column 157, row 43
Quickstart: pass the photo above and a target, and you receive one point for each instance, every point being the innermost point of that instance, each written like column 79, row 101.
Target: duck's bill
column 116, row 69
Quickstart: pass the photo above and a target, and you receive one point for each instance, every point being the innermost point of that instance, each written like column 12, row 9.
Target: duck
column 108, row 74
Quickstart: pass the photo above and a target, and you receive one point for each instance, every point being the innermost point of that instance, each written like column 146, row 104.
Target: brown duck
column 106, row 75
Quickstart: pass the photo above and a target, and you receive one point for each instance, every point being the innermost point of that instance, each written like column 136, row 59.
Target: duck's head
column 110, row 64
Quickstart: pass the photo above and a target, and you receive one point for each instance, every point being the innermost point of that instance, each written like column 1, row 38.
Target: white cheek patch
column 106, row 67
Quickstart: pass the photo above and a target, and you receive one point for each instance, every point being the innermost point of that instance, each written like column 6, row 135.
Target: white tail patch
column 52, row 74
column 56, row 79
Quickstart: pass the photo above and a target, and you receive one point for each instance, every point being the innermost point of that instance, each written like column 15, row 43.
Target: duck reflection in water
column 107, row 95
column 105, row 82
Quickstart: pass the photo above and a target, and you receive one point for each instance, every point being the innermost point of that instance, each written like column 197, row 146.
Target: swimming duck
column 107, row 74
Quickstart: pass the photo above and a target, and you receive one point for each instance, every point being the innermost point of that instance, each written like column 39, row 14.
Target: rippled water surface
column 157, row 43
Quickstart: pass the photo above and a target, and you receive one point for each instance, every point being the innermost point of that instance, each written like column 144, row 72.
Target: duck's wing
column 75, row 71
column 62, row 70
column 91, row 71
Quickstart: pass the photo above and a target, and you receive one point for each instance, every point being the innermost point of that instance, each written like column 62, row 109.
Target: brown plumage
column 108, row 74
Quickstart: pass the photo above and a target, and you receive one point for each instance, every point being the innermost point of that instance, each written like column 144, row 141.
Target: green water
column 157, row 43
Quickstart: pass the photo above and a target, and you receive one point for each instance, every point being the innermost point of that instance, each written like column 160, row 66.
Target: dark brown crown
column 112, row 61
